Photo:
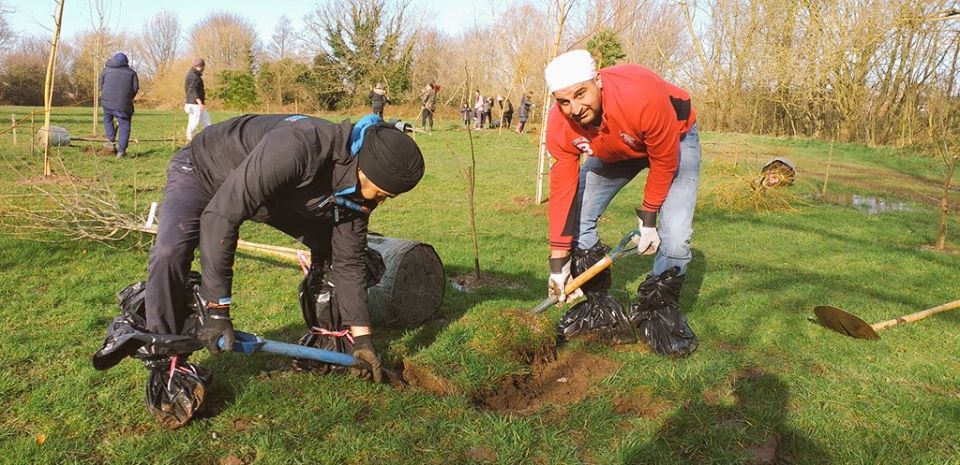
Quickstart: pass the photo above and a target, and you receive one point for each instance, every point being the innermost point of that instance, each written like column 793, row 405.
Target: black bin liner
column 599, row 315
column 127, row 335
column 174, row 395
column 658, row 318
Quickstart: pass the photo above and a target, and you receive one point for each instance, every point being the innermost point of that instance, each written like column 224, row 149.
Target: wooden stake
column 563, row 7
column 13, row 123
column 33, row 136
column 826, row 176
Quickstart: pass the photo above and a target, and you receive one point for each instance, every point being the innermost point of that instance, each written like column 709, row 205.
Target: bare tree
column 283, row 43
column 6, row 33
column 227, row 41
column 160, row 42
column 99, row 16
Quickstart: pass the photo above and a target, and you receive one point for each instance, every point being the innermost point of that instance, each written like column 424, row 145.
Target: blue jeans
column 123, row 122
column 600, row 182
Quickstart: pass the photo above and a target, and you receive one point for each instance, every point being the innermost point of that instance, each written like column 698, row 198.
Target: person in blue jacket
column 119, row 84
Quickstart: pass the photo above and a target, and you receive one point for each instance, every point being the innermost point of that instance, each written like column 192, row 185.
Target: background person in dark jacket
column 195, row 106
column 506, row 111
column 118, row 85
column 378, row 99
column 428, row 102
column 524, row 112
column 312, row 179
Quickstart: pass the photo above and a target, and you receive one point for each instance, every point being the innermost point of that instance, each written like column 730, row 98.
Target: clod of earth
column 525, row 394
column 422, row 376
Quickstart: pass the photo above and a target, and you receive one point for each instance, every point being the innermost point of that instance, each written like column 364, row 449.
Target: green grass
column 763, row 369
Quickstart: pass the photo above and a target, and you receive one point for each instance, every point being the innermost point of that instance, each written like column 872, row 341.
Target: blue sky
column 32, row 16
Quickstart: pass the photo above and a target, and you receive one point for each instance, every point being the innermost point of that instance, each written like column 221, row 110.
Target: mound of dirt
column 560, row 382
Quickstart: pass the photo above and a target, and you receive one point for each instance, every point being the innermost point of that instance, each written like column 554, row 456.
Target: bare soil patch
column 640, row 403
column 470, row 282
column 97, row 150
column 560, row 382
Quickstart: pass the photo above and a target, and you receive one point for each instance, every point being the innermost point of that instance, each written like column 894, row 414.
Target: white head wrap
column 570, row 68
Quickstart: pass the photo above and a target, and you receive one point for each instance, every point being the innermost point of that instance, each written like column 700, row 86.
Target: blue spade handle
column 247, row 343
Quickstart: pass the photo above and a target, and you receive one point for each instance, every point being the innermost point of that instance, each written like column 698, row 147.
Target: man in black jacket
column 312, row 179
column 118, row 85
column 196, row 99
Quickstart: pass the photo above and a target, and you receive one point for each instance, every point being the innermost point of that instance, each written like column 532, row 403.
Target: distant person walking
column 195, row 106
column 429, row 105
column 378, row 99
column 118, row 85
column 506, row 111
column 524, row 113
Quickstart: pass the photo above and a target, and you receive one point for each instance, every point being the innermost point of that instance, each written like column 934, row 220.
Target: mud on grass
column 563, row 380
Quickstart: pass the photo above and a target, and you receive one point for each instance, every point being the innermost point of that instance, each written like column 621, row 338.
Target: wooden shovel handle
column 594, row 270
column 916, row 316
column 575, row 284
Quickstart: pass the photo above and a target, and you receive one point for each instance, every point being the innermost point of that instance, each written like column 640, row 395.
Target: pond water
column 867, row 203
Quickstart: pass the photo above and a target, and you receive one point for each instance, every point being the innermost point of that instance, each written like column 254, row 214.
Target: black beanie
column 390, row 158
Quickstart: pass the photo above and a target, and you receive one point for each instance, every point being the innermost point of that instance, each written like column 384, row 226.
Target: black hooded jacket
column 118, row 85
column 283, row 170
column 193, row 87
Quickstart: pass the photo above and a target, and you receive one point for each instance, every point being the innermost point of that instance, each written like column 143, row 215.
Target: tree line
column 873, row 71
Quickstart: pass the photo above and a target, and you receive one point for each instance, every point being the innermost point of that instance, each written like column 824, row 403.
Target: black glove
column 216, row 322
column 368, row 363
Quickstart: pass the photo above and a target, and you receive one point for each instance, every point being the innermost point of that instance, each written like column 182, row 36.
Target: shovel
column 615, row 254
column 247, row 344
column 851, row 325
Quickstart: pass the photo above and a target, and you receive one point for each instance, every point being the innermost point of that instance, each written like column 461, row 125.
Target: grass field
column 766, row 386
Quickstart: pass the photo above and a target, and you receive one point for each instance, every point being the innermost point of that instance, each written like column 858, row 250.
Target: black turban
column 390, row 158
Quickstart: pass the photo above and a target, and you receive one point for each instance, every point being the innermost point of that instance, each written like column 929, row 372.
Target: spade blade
column 845, row 323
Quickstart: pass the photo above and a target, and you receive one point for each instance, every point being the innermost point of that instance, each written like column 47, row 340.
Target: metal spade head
column 845, row 323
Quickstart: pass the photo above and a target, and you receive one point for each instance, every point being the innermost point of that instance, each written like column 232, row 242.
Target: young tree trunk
column 944, row 206
column 48, row 89
column 470, row 174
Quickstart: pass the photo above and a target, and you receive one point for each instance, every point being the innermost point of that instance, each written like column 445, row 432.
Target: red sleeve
column 564, row 176
column 658, row 123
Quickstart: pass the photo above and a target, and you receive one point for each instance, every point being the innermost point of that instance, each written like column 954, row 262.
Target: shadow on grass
column 751, row 424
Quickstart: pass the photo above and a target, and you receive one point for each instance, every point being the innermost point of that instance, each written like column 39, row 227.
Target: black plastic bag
column 127, row 335
column 174, row 395
column 657, row 315
column 599, row 315
column 318, row 302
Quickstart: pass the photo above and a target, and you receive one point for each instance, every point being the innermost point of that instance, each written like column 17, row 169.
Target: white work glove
column 649, row 240
column 559, row 277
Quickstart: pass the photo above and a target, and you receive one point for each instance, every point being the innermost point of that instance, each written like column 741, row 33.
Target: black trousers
column 506, row 119
column 178, row 235
column 426, row 115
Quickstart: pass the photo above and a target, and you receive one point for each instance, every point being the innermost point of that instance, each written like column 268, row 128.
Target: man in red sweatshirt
column 625, row 119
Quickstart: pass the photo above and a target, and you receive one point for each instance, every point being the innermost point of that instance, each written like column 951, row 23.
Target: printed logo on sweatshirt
column 633, row 143
column 294, row 118
column 583, row 144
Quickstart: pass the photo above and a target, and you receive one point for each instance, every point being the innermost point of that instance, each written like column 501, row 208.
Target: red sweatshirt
column 643, row 116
